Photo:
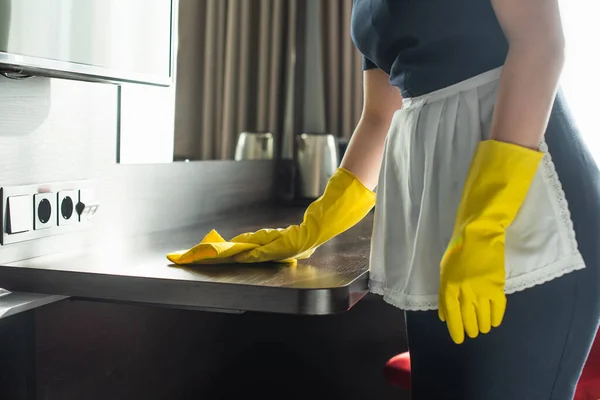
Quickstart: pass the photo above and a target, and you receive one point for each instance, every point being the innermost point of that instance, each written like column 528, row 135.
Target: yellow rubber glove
column 344, row 203
column 471, row 295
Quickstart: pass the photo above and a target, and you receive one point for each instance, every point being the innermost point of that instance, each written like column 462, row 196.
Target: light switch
column 19, row 214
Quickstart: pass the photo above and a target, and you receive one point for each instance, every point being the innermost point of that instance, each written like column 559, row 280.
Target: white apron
column 428, row 151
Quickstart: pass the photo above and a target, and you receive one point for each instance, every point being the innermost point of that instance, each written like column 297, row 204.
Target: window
column 581, row 76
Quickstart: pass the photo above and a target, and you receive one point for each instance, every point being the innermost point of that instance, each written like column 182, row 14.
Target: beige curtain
column 233, row 66
column 342, row 68
column 230, row 74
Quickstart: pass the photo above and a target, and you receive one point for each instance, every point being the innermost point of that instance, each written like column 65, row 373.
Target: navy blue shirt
column 425, row 45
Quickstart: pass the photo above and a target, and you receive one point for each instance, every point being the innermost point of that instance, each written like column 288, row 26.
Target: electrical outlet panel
column 35, row 211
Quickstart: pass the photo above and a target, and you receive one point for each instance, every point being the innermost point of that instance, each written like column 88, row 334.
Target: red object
column 588, row 387
column 397, row 373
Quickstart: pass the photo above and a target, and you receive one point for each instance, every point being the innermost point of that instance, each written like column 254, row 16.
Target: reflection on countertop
column 14, row 303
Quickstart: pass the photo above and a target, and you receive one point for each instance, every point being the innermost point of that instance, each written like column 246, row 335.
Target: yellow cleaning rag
column 213, row 249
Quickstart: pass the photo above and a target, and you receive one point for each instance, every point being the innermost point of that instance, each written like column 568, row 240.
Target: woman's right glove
column 471, row 295
column 344, row 203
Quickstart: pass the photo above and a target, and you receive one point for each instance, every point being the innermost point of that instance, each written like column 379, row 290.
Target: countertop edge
column 205, row 295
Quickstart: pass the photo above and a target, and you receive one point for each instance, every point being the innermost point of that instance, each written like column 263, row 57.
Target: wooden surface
column 136, row 270
column 17, row 357
column 98, row 351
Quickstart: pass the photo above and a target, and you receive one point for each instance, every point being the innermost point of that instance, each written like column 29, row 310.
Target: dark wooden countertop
column 137, row 271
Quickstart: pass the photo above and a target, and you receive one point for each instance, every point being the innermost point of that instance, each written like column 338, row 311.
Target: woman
column 485, row 190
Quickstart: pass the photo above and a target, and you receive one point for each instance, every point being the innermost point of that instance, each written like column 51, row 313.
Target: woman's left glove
column 471, row 295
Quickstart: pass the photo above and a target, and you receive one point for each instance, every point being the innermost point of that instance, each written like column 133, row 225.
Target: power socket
column 44, row 209
column 67, row 200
